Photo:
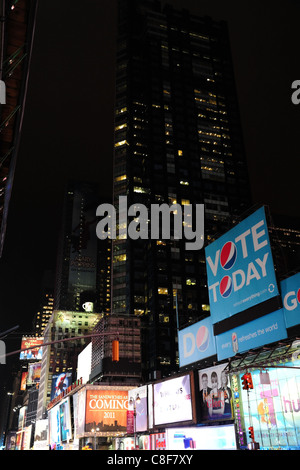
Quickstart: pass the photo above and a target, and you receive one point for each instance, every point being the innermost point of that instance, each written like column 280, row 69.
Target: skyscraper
column 83, row 263
column 177, row 140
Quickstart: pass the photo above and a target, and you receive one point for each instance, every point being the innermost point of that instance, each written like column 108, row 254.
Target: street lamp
column 95, row 432
column 133, row 402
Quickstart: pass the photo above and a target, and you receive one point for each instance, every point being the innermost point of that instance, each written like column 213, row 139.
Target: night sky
column 68, row 125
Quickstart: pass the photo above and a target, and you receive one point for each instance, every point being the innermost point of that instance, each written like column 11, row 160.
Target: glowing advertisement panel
column 65, row 420
column 240, row 270
column 275, row 406
column 60, row 382
column 54, row 427
column 251, row 335
column 290, row 293
column 215, row 394
column 196, row 342
column 41, row 435
column 201, row 438
column 141, row 422
column 172, row 401
column 106, row 409
column 31, row 354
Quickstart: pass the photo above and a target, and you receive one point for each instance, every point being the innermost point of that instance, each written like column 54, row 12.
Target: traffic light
column 251, row 433
column 249, row 380
column 245, row 382
column 115, row 350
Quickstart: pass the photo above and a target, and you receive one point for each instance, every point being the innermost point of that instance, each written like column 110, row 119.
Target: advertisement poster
column 263, row 330
column 202, row 438
column 81, row 404
column 65, row 421
column 275, row 406
column 60, row 382
column 141, row 421
column 34, row 373
column 196, row 342
column 215, row 394
column 106, row 410
column 41, row 435
column 173, row 401
column 240, row 270
column 290, row 293
column 54, row 425
column 31, row 354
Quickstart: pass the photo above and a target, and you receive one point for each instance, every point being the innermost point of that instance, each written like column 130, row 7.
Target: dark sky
column 68, row 125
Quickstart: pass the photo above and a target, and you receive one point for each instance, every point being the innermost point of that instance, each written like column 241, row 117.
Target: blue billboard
column 196, row 342
column 240, row 270
column 256, row 333
column 290, row 293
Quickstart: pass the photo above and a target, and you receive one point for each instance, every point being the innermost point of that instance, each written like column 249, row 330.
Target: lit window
column 162, row 290
column 120, row 178
column 180, row 153
column 122, row 126
column 122, row 142
column 191, row 282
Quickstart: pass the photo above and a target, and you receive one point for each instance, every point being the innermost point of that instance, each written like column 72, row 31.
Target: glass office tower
column 177, row 140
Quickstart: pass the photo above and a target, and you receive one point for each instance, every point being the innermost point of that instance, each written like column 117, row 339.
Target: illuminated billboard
column 84, row 363
column 172, row 400
column 251, row 335
column 202, row 438
column 54, row 427
column 31, row 354
column 41, row 437
column 196, row 342
column 106, row 409
column 240, row 270
column 274, row 406
column 60, row 383
column 65, row 420
column 141, row 422
column 34, row 373
column 215, row 394
column 290, row 293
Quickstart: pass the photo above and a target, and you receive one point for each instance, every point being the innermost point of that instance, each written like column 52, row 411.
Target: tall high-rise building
column 177, row 140
column 46, row 303
column 83, row 262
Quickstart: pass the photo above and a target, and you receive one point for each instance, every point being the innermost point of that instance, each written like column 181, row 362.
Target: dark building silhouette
column 16, row 39
column 83, row 261
column 177, row 140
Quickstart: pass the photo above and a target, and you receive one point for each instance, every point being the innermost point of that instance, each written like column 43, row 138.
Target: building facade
column 177, row 140
column 127, row 330
column 83, row 262
column 60, row 358
column 17, row 34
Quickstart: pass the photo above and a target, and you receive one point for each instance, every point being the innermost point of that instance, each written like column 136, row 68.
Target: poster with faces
column 215, row 393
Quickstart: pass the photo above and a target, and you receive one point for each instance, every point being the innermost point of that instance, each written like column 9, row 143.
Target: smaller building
column 61, row 357
column 127, row 330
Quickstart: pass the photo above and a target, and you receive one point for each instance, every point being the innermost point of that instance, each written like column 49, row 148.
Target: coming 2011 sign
column 106, row 410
